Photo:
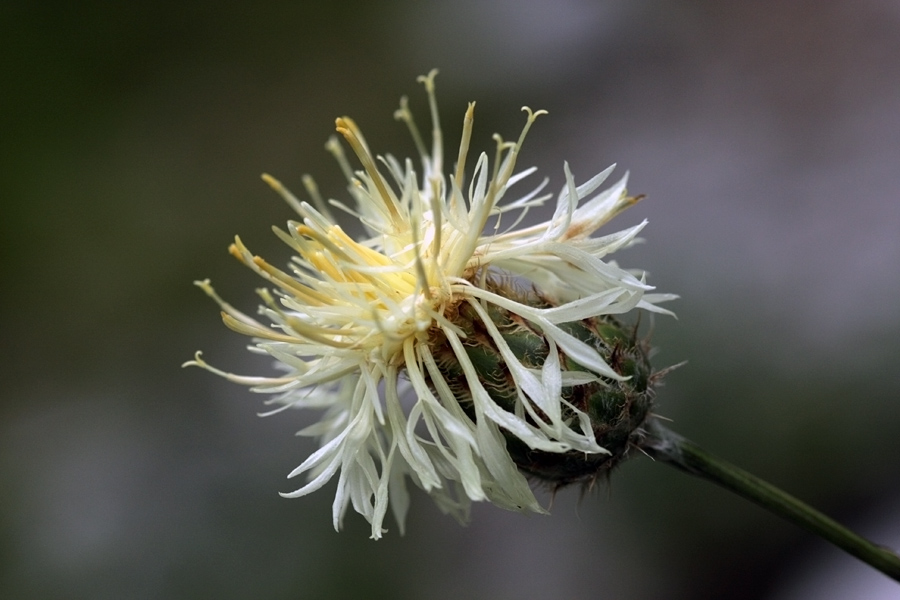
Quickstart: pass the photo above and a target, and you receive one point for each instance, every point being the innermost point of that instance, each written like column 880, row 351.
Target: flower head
column 449, row 341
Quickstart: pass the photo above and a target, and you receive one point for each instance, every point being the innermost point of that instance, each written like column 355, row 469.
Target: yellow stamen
column 283, row 192
column 256, row 332
column 347, row 128
column 289, row 284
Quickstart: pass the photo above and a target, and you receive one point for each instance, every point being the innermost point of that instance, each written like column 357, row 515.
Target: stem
column 671, row 448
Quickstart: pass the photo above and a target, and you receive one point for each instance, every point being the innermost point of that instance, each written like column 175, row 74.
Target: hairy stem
column 669, row 447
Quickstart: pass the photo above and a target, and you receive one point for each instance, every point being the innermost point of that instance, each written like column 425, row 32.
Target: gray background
column 766, row 136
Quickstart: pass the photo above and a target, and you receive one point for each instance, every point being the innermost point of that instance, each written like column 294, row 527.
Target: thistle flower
column 450, row 346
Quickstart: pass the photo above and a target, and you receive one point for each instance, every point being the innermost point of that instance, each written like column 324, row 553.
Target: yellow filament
column 347, row 128
column 289, row 284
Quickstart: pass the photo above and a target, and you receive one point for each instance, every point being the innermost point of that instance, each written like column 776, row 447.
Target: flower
column 407, row 338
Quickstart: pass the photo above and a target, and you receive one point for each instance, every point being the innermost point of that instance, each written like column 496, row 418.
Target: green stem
column 671, row 448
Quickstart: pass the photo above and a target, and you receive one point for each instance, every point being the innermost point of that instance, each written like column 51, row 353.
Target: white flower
column 353, row 322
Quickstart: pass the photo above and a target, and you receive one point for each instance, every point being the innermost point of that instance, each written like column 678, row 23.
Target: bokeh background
column 766, row 136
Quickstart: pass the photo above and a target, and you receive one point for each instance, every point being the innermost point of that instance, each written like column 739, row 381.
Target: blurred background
column 765, row 135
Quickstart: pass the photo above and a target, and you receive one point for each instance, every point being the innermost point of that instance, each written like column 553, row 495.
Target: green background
column 766, row 136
